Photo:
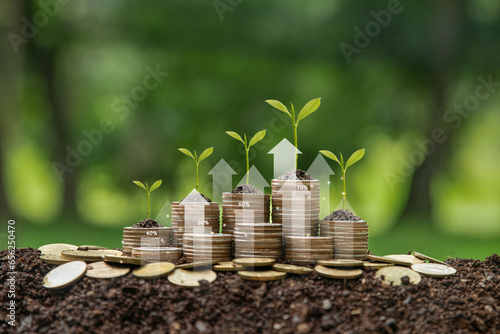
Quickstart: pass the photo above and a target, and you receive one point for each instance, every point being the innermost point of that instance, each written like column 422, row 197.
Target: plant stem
column 248, row 164
column 295, row 143
column 344, row 194
column 197, row 179
column 148, row 205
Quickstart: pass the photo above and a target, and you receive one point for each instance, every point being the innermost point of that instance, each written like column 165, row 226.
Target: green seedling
column 205, row 154
column 148, row 190
column 355, row 157
column 307, row 110
column 255, row 139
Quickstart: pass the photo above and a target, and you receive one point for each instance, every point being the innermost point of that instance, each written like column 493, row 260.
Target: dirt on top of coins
column 295, row 174
column 468, row 301
column 147, row 223
column 342, row 215
column 195, row 197
column 246, row 189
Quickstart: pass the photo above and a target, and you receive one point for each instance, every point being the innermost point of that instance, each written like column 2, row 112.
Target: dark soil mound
column 147, row 223
column 342, row 215
column 468, row 301
column 246, row 189
column 295, row 174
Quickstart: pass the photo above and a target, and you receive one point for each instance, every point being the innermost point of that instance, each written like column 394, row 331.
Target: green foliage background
column 220, row 72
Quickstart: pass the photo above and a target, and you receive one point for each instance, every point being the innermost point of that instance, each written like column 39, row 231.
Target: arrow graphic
column 222, row 179
column 284, row 157
column 255, row 179
column 194, row 219
column 321, row 171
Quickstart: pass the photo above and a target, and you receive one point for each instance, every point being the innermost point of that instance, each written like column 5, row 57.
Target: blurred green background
column 391, row 75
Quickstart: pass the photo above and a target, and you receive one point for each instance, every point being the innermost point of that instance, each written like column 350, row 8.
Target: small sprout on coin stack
column 205, row 154
column 255, row 139
column 355, row 157
column 307, row 110
column 148, row 190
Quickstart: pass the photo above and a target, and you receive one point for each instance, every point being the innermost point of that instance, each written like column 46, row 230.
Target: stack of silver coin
column 350, row 238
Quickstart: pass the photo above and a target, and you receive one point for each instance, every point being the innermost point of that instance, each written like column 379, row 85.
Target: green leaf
column 278, row 105
column 309, row 108
column 330, row 155
column 186, row 152
column 235, row 136
column 257, row 138
column 205, row 154
column 355, row 157
column 155, row 185
column 139, row 183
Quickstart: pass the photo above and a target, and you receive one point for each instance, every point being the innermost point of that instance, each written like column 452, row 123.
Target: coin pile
column 243, row 208
column 157, row 254
column 204, row 247
column 201, row 217
column 258, row 240
column 296, row 206
column 145, row 237
column 307, row 248
column 350, row 238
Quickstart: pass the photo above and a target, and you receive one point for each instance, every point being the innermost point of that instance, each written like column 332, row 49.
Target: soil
column 466, row 302
column 295, row 174
column 342, row 215
column 246, row 189
column 147, row 223
column 192, row 198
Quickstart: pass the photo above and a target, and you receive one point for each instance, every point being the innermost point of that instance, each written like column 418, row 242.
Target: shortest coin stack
column 257, row 240
column 145, row 237
column 157, row 254
column 204, row 247
column 308, row 249
column 350, row 238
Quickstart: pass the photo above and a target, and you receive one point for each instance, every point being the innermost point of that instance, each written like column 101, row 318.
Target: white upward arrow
column 222, row 179
column 255, row 179
column 194, row 213
column 284, row 157
column 321, row 171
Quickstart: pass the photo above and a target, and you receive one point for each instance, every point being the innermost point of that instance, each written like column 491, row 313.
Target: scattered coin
column 90, row 255
column 393, row 275
column 64, row 275
column 154, row 270
column 53, row 259
column 388, row 260
column 103, row 269
column 433, row 269
column 338, row 273
column 406, row 258
column 189, row 278
column 228, row 266
column 428, row 258
column 55, row 249
column 254, row 261
column 340, row 263
column 197, row 264
column 292, row 269
column 91, row 247
column 124, row 259
column 267, row 275
column 375, row 265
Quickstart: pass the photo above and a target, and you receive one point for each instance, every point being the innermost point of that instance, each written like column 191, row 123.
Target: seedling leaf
column 139, row 183
column 186, row 152
column 309, row 108
column 155, row 186
column 257, row 138
column 278, row 105
column 355, row 157
column 235, row 136
column 205, row 154
column 330, row 155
